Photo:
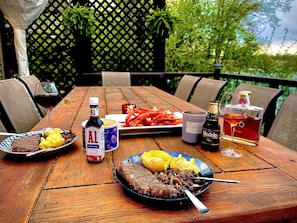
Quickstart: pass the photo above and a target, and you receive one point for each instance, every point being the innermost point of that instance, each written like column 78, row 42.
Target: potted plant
column 160, row 23
column 79, row 19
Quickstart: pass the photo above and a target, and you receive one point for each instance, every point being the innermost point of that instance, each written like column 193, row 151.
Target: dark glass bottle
column 210, row 140
column 94, row 134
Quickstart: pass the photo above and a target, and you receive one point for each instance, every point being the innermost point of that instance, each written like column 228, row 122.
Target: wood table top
column 66, row 188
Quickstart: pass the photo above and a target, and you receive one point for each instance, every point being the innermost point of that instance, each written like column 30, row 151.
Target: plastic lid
column 93, row 100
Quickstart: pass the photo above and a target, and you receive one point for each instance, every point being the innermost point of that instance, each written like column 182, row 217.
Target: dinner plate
column 204, row 170
column 5, row 145
column 144, row 130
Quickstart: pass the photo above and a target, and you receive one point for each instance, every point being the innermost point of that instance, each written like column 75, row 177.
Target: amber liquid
column 233, row 118
column 250, row 131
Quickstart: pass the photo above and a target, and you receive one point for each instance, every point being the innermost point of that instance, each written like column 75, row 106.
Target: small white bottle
column 94, row 134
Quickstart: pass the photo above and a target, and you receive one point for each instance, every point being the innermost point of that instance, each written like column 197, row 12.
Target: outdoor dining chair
column 186, row 86
column 264, row 97
column 2, row 129
column 207, row 90
column 30, row 83
column 284, row 127
column 18, row 105
column 113, row 78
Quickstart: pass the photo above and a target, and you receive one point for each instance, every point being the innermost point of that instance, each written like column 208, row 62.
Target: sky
column 289, row 21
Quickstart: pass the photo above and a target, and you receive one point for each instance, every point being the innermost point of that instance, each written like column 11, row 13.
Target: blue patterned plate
column 5, row 145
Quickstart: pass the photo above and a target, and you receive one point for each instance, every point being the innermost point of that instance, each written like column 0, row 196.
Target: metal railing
column 163, row 77
column 164, row 80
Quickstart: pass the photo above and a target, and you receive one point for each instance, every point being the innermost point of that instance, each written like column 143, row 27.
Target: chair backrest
column 18, row 105
column 186, row 86
column 2, row 129
column 284, row 127
column 206, row 91
column 30, row 83
column 113, row 78
column 264, row 97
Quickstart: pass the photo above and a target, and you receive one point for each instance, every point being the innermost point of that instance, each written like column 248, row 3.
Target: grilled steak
column 144, row 181
column 26, row 143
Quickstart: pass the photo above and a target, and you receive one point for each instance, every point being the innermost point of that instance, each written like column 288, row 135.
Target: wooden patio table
column 66, row 188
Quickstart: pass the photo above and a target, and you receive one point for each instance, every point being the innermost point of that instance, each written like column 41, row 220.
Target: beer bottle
column 210, row 140
column 94, row 134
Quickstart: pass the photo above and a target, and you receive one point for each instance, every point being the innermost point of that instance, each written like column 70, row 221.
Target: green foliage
column 206, row 32
column 160, row 23
column 218, row 31
column 209, row 33
column 80, row 19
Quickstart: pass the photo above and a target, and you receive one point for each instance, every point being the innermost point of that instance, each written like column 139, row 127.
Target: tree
column 219, row 31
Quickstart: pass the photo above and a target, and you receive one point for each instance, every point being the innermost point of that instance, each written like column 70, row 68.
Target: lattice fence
column 121, row 42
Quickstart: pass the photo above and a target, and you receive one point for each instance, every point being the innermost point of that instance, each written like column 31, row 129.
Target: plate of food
column 38, row 143
column 165, row 187
column 142, row 121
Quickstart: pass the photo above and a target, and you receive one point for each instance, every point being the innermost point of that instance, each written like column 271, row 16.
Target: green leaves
column 160, row 23
column 77, row 18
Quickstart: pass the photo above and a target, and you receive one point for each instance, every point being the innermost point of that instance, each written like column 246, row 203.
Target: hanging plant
column 160, row 23
column 79, row 19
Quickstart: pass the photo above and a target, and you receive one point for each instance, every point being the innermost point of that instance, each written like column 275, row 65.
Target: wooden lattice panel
column 120, row 41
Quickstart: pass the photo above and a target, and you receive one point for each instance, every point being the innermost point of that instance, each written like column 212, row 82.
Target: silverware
column 218, row 180
column 197, row 203
column 41, row 151
column 37, row 152
column 9, row 134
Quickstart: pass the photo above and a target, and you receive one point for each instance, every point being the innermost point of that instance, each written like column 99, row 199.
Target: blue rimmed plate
column 204, row 170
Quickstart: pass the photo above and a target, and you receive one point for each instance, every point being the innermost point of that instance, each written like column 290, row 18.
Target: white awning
column 21, row 14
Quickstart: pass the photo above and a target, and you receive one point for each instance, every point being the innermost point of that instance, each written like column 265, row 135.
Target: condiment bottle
column 210, row 140
column 94, row 134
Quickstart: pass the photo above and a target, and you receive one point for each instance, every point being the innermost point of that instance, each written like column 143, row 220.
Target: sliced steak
column 144, row 181
column 26, row 143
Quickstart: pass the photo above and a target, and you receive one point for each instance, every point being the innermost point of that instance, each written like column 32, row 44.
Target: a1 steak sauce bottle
column 94, row 134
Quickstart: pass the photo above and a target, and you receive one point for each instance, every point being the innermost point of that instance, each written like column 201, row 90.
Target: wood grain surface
column 66, row 188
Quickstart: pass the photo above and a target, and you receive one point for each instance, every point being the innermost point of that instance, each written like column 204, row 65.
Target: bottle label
column 211, row 137
column 95, row 145
column 94, row 111
column 194, row 127
column 211, row 134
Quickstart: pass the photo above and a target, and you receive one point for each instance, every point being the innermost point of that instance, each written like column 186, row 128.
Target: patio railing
column 168, row 81
column 163, row 79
